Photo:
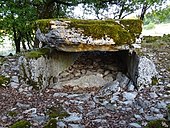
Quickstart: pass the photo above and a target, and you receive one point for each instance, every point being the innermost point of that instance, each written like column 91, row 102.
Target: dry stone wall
column 88, row 68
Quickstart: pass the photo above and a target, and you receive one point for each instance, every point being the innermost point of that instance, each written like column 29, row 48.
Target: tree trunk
column 121, row 11
column 144, row 8
column 23, row 45
column 16, row 40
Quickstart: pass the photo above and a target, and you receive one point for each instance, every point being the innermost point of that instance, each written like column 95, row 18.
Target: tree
column 17, row 17
column 16, row 21
column 148, row 4
column 159, row 16
column 122, row 8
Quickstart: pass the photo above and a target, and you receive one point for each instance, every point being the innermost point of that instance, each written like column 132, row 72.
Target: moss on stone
column 43, row 25
column 134, row 26
column 154, row 81
column 21, row 124
column 12, row 113
column 57, row 111
column 168, row 112
column 99, row 28
column 37, row 53
column 2, row 60
column 158, row 124
column 121, row 31
column 52, row 123
column 4, row 80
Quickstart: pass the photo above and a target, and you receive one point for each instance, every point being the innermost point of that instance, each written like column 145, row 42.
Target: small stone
column 99, row 120
column 150, row 118
column 59, row 94
column 32, row 111
column 168, row 85
column 153, row 95
column 14, row 85
column 114, row 98
column 15, row 79
column 21, row 90
column 130, row 95
column 74, row 117
column 108, row 78
column 111, row 106
column 24, row 106
column 75, row 126
column 83, row 71
column 155, row 110
column 100, row 70
column 77, row 74
column 128, row 102
column 106, row 72
column 138, row 117
column 141, row 111
column 105, row 103
column 111, row 86
column 159, row 116
column 122, row 122
column 131, row 87
column 161, row 104
column 136, row 125
column 89, row 73
column 75, row 88
column 61, row 124
column 39, row 118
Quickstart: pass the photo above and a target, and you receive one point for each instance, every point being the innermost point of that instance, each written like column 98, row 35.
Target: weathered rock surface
column 92, row 35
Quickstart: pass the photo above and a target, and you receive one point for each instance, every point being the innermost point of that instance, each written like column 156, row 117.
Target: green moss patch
column 12, row 113
column 158, row 124
column 52, row 123
column 57, row 111
column 43, row 24
column 37, row 53
column 133, row 26
column 4, row 81
column 21, row 124
column 168, row 112
column 154, row 81
column 122, row 33
column 2, row 60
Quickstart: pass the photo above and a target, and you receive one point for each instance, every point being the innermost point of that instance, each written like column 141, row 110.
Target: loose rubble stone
column 74, row 117
column 24, row 106
column 130, row 95
column 135, row 125
column 59, row 94
column 14, row 85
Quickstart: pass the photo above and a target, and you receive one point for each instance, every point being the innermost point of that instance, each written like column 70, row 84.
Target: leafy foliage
column 160, row 16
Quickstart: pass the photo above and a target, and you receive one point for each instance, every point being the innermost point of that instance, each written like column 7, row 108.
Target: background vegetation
column 18, row 17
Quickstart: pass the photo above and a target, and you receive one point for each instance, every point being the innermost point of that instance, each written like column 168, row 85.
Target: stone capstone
column 92, row 35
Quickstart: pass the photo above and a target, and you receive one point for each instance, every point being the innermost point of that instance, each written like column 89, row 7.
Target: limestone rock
column 147, row 71
column 130, row 95
column 87, row 81
column 135, row 125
